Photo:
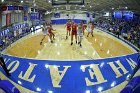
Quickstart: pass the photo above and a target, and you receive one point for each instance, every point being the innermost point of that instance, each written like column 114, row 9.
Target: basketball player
column 51, row 34
column 44, row 28
column 84, row 27
column 90, row 29
column 80, row 33
column 68, row 25
column 2, row 63
column 74, row 32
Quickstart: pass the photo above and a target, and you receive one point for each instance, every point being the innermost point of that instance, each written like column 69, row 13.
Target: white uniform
column 89, row 28
column 80, row 31
column 45, row 32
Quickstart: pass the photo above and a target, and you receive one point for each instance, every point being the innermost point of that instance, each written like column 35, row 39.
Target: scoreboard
column 118, row 15
column 69, row 2
column 12, row 8
column 127, row 15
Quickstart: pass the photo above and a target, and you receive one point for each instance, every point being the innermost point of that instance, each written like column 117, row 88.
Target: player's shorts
column 45, row 33
column 83, row 30
column 50, row 32
column 80, row 34
column 74, row 32
column 68, row 29
column 90, row 30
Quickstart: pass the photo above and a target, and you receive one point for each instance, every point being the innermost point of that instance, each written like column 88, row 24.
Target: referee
column 2, row 63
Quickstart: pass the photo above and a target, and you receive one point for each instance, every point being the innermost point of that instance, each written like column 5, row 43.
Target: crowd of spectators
column 127, row 29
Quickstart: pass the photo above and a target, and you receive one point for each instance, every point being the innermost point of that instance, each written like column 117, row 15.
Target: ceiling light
column 83, row 5
column 126, row 7
column 112, row 8
column 2, row 0
column 49, row 1
column 21, row 1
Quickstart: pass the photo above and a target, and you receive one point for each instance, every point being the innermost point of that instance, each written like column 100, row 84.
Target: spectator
column 129, row 30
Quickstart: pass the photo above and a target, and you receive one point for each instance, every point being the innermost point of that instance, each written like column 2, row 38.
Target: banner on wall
column 13, row 28
column 8, row 19
column 57, row 15
column 70, row 76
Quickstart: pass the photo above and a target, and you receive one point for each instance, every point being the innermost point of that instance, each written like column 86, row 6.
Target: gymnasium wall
column 48, row 17
column 8, row 18
column 65, row 16
column 3, row 20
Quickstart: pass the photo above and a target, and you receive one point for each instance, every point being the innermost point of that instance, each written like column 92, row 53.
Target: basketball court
column 103, row 64
column 93, row 47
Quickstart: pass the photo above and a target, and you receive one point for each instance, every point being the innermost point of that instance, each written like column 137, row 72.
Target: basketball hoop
column 68, row 7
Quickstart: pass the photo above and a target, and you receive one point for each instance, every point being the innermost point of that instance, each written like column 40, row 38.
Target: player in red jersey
column 68, row 25
column 51, row 34
column 74, row 32
column 84, row 27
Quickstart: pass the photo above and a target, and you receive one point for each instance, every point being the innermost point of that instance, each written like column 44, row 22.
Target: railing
column 15, row 32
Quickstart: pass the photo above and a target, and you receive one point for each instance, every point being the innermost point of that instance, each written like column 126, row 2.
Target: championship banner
column 70, row 76
column 8, row 19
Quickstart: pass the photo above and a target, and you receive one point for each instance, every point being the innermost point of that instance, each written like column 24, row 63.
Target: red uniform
column 74, row 29
column 50, row 30
column 84, row 27
column 68, row 26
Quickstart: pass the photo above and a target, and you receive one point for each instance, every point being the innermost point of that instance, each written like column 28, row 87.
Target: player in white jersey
column 80, row 33
column 45, row 32
column 90, row 29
